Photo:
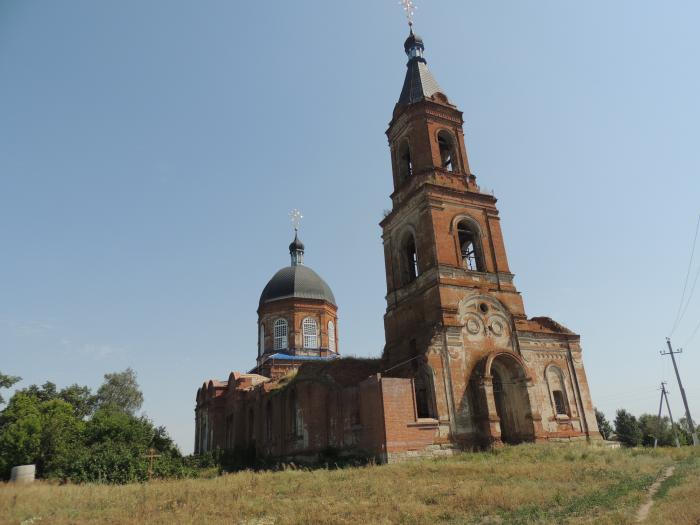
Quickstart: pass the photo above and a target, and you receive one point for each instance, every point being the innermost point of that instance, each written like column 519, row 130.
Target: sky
column 150, row 153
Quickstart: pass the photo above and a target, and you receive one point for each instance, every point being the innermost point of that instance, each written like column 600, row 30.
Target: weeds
column 514, row 485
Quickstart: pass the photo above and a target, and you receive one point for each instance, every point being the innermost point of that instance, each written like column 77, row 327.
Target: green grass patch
column 683, row 467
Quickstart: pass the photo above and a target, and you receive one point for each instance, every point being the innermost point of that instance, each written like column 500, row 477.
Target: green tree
column 80, row 398
column 45, row 392
column 684, row 433
column 120, row 390
column 627, row 429
column 73, row 435
column 61, row 438
column 603, row 424
column 7, row 382
column 20, row 433
column 651, row 430
column 115, row 446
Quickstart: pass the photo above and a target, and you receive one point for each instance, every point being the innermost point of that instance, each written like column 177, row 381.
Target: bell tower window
column 447, row 151
column 405, row 162
column 280, row 334
column 468, row 247
column 410, row 259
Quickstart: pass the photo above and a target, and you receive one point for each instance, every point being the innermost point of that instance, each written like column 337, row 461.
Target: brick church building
column 463, row 366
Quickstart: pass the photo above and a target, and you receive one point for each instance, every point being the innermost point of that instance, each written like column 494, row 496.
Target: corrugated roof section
column 299, row 282
column 419, row 83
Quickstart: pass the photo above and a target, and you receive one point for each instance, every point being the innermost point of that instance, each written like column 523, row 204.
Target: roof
column 303, row 357
column 419, row 83
column 299, row 282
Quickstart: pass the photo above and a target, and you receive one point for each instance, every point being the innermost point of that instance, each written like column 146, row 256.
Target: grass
column 528, row 484
column 678, row 498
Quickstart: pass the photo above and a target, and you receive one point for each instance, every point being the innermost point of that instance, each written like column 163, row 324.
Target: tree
column 651, row 430
column 120, row 390
column 7, row 382
column 684, row 433
column 45, row 392
column 80, row 398
column 627, row 429
column 61, row 438
column 20, row 433
column 603, row 424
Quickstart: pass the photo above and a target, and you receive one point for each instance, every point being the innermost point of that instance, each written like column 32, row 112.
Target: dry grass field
column 514, row 485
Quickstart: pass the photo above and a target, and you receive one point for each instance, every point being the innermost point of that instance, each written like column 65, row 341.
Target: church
column 463, row 367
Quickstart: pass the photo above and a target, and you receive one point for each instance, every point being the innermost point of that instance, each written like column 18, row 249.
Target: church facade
column 463, row 366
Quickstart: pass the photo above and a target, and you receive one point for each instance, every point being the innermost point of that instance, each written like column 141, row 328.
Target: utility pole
column 680, row 385
column 670, row 416
column 658, row 418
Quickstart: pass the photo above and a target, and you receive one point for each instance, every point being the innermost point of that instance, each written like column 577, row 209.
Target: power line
column 690, row 296
column 693, row 334
column 685, row 284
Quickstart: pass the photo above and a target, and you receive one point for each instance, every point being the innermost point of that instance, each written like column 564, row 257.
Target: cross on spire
column 409, row 8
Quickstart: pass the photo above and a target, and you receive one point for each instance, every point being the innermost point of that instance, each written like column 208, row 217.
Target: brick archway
column 505, row 400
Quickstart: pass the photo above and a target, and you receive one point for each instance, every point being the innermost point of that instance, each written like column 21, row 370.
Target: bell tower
column 455, row 322
column 442, row 237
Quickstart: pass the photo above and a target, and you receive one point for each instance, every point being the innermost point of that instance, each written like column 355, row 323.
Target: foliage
column 73, row 435
column 627, row 429
column 7, row 382
column 684, row 433
column 20, row 433
column 79, row 397
column 603, row 424
column 120, row 390
column 652, row 429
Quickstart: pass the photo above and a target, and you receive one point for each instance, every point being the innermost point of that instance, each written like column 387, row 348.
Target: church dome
column 299, row 282
column 296, row 281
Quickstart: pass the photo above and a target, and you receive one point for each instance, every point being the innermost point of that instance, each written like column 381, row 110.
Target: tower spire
column 296, row 248
column 419, row 83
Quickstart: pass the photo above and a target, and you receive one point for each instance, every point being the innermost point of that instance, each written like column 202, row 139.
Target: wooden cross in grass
column 151, row 455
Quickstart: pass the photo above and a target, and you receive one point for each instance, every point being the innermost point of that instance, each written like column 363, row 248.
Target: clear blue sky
column 151, row 151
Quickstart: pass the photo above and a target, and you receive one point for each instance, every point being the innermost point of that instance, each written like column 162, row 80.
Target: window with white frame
column 331, row 336
column 310, row 330
column 280, row 334
column 261, row 340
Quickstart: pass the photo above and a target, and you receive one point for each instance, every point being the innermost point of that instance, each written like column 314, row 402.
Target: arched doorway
column 511, row 400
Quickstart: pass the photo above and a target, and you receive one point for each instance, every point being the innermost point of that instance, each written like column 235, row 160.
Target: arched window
column 268, row 422
column 294, row 425
column 309, row 329
column 405, row 162
column 331, row 336
column 280, row 333
column 447, row 151
column 251, row 428
column 557, row 387
column 423, row 384
column 410, row 260
column 469, row 247
column 261, row 340
column 229, row 431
